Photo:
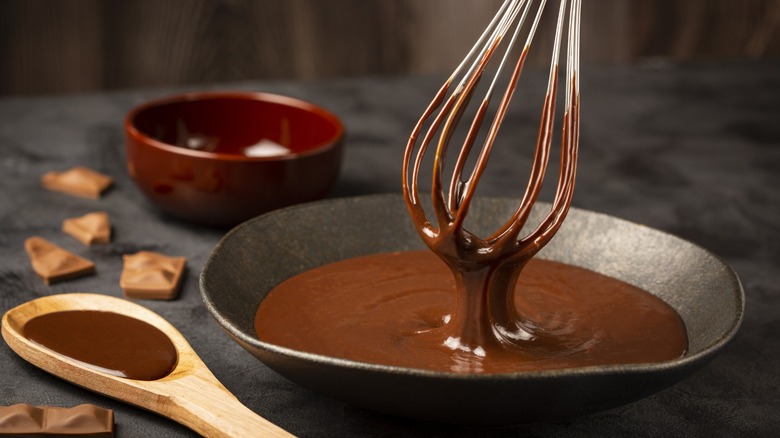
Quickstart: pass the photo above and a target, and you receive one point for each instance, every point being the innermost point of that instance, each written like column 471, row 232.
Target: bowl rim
column 330, row 144
column 688, row 360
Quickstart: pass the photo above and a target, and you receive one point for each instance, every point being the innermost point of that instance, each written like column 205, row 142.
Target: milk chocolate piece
column 90, row 228
column 78, row 181
column 23, row 420
column 151, row 275
column 53, row 263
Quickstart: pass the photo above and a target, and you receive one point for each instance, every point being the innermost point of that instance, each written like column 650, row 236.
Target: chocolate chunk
column 90, row 228
column 82, row 420
column 151, row 275
column 78, row 181
column 53, row 263
column 21, row 417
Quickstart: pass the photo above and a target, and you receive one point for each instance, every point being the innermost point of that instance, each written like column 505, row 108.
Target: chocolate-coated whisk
column 502, row 254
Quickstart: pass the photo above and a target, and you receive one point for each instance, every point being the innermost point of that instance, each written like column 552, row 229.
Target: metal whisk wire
column 451, row 206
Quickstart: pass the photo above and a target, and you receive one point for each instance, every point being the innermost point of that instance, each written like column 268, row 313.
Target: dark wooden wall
column 53, row 46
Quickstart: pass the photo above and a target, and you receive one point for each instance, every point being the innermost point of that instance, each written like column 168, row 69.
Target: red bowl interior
column 230, row 175
column 229, row 123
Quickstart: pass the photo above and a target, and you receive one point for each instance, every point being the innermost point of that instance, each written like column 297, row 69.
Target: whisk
column 486, row 268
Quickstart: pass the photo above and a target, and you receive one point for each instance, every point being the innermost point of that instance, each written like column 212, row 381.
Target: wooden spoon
column 189, row 395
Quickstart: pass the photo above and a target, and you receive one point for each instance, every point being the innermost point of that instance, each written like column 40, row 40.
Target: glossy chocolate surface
column 393, row 309
column 108, row 342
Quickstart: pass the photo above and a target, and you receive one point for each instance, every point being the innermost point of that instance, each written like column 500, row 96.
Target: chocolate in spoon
column 181, row 387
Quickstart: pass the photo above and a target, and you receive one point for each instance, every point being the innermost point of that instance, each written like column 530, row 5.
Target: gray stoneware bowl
column 260, row 253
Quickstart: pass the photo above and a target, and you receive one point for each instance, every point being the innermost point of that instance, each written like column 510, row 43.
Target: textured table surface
column 693, row 150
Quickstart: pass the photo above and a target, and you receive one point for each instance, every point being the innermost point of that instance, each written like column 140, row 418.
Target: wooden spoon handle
column 212, row 411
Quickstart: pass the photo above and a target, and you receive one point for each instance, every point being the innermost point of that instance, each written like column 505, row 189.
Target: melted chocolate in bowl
column 259, row 255
column 115, row 344
column 393, row 309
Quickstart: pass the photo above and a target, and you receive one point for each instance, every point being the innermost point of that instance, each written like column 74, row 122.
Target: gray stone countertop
column 690, row 149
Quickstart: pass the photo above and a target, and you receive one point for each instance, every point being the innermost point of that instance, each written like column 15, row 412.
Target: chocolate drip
column 486, row 269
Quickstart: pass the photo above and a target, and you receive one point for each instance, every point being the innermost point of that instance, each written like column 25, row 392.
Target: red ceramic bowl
column 221, row 158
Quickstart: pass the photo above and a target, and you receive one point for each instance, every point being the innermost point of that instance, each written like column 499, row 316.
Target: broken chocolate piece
column 19, row 418
column 78, row 181
column 82, row 420
column 53, row 263
column 90, row 228
column 151, row 275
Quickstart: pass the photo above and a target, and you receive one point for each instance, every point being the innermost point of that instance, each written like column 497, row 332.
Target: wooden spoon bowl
column 189, row 395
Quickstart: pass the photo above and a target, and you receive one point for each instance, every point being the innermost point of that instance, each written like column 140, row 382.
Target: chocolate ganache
column 396, row 308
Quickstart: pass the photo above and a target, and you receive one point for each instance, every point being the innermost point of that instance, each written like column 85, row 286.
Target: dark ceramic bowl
column 259, row 254
column 221, row 158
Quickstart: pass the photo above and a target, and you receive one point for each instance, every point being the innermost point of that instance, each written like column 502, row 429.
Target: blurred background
column 66, row 46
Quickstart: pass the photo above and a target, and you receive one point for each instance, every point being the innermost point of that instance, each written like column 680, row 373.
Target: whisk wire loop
column 448, row 108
